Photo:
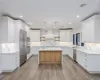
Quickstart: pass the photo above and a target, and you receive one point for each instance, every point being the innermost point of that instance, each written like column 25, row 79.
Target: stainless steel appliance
column 23, row 46
column 28, row 45
column 74, row 54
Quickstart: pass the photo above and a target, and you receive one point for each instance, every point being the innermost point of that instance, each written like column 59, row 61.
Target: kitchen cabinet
column 9, row 61
column 70, row 52
column 89, row 61
column 91, row 29
column 7, row 30
column 50, row 57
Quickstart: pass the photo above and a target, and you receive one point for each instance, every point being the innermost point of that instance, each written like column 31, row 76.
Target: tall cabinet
column 10, row 40
column 91, row 29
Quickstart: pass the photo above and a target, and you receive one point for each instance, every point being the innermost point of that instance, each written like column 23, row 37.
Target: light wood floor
column 68, row 71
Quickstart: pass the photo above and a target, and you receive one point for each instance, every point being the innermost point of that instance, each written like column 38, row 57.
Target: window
column 78, row 39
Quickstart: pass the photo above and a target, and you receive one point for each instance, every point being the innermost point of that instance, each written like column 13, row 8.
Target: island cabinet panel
column 50, row 57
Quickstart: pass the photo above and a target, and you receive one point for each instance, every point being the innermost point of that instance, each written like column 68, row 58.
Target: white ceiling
column 39, row 11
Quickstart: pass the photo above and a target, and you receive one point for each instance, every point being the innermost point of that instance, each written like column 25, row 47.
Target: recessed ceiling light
column 70, row 23
column 78, row 16
column 21, row 16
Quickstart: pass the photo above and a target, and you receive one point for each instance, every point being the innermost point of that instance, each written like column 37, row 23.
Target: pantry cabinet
column 91, row 29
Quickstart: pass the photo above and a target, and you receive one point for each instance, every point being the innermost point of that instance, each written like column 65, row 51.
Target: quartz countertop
column 88, row 52
column 50, row 49
column 84, row 50
column 9, row 53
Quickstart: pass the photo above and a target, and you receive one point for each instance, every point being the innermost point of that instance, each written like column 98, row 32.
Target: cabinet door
column 42, row 56
column 47, row 56
column 80, row 58
column 11, row 30
column 87, row 34
column 8, row 62
column 83, row 60
column 53, row 56
column 77, row 56
column 58, row 56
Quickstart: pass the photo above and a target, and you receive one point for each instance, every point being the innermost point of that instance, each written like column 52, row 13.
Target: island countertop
column 51, row 49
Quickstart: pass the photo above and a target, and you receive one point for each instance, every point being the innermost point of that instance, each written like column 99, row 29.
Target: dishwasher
column 74, row 55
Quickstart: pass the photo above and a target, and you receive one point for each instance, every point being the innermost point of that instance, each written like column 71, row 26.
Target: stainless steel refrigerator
column 23, row 46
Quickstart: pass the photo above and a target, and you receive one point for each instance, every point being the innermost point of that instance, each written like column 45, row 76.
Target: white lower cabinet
column 90, row 62
column 9, row 62
column 70, row 52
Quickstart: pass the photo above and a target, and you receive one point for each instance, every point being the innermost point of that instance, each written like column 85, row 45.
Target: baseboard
column 64, row 54
column 94, row 72
column 35, row 54
column 7, row 71
column 29, row 56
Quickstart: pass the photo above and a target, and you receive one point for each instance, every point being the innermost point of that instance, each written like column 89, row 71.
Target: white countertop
column 50, row 49
column 88, row 52
column 85, row 50
column 10, row 53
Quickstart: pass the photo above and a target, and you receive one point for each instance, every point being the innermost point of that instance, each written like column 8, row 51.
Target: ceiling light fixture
column 78, row 16
column 21, row 16
column 70, row 23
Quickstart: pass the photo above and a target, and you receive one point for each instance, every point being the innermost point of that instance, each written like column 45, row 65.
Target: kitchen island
column 50, row 56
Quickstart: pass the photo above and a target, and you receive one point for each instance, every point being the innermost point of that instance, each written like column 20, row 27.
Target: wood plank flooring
column 68, row 71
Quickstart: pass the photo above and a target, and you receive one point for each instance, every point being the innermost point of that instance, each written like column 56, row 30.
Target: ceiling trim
column 35, row 29
column 96, row 13
column 14, row 18
column 59, row 28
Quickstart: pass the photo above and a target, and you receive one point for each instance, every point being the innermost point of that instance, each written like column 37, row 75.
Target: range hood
column 49, row 35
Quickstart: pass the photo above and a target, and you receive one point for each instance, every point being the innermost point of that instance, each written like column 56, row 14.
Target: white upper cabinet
column 11, row 30
column 7, row 30
column 27, row 30
column 91, row 29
